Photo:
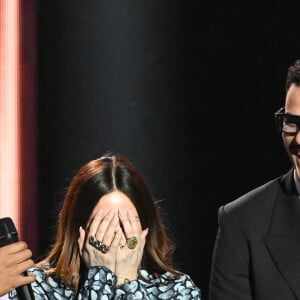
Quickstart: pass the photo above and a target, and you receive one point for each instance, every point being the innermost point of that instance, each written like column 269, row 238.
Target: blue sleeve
column 132, row 290
column 180, row 288
column 99, row 284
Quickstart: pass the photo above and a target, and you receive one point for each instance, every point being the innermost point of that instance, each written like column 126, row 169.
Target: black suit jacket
column 257, row 248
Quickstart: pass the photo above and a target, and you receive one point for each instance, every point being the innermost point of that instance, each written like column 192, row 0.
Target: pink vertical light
column 9, row 111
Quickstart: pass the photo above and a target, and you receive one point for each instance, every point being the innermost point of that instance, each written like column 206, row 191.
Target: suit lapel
column 283, row 238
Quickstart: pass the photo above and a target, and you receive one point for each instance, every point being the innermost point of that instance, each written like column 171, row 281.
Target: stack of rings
column 98, row 245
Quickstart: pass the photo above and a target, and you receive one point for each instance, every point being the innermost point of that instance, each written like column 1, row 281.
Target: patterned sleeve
column 99, row 284
column 185, row 288
column 181, row 288
column 133, row 290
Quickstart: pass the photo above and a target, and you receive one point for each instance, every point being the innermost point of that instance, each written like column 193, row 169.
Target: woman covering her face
column 111, row 241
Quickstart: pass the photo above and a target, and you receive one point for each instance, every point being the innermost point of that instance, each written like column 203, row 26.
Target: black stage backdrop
column 186, row 90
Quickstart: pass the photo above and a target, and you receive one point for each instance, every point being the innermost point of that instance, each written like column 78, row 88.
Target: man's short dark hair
column 293, row 75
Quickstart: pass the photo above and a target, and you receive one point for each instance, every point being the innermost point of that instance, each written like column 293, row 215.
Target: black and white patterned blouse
column 100, row 284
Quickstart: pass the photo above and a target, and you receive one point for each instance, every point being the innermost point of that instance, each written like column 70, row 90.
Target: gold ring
column 132, row 242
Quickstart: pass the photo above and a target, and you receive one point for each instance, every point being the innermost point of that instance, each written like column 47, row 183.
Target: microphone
column 9, row 235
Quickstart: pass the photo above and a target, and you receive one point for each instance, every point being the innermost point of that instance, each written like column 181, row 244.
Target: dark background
column 186, row 90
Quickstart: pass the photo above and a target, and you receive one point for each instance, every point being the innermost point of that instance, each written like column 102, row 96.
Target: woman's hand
column 128, row 260
column 119, row 258
column 105, row 228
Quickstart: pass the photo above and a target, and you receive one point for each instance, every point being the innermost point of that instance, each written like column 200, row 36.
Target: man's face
column 292, row 141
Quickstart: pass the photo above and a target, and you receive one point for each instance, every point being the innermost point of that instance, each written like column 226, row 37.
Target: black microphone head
column 8, row 232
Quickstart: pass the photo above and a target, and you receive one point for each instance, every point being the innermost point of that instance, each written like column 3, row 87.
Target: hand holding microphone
column 15, row 259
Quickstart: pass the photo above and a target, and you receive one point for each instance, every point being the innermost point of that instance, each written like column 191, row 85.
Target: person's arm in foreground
column 14, row 260
column 230, row 273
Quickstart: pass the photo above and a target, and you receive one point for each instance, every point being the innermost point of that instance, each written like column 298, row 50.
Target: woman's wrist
column 121, row 280
column 124, row 279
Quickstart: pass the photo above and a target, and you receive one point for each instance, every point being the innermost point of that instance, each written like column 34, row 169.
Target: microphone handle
column 25, row 292
column 9, row 235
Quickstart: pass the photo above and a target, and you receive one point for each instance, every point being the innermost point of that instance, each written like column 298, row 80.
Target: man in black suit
column 257, row 248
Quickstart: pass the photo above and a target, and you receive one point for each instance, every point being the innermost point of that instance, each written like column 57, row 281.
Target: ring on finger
column 98, row 245
column 132, row 242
